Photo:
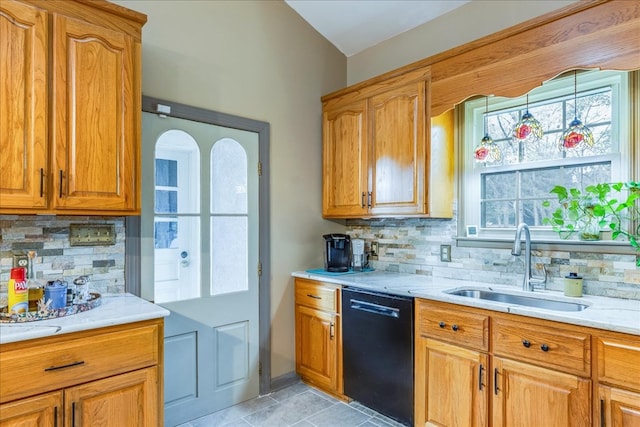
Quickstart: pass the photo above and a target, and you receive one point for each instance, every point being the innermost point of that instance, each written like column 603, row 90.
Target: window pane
column 229, row 254
column 178, row 172
column 176, row 259
column 166, row 201
column 498, row 214
column 499, row 186
column 228, row 177
column 166, row 173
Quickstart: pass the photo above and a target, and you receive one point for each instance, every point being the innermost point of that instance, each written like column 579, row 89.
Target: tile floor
column 298, row 405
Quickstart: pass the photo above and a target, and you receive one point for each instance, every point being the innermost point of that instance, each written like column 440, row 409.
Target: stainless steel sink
column 490, row 295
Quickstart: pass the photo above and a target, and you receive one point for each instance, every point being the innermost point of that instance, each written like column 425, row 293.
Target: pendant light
column 487, row 151
column 576, row 133
column 528, row 129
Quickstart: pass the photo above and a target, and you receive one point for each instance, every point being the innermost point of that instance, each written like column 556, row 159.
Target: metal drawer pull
column 480, row 385
column 455, row 328
column 55, row 416
column 70, row 365
column 544, row 347
column 442, row 324
column 314, row 296
column 495, row 381
column 526, row 343
column 332, row 332
column 375, row 308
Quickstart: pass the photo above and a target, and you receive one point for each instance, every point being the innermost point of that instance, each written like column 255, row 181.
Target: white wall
column 472, row 21
column 256, row 59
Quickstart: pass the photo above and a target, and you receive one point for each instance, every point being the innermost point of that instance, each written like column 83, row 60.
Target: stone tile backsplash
column 48, row 235
column 413, row 246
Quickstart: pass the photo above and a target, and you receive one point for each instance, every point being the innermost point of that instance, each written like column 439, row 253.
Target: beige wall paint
column 256, row 59
column 472, row 21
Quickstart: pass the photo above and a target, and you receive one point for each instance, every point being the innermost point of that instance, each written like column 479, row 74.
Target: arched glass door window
column 229, row 218
column 176, row 220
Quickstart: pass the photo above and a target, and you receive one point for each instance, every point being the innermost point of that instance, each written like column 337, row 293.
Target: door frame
column 132, row 223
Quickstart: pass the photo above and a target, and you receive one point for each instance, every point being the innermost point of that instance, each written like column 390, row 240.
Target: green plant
column 611, row 207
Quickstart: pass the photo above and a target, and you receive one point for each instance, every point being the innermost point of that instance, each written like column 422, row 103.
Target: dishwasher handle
column 370, row 307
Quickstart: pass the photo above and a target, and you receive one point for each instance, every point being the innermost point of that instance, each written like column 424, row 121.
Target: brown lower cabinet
column 482, row 368
column 319, row 335
column 108, row 377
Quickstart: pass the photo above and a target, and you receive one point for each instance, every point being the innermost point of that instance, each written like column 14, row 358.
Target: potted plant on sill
column 611, row 207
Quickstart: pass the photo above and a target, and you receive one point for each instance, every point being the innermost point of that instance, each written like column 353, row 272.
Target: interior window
column 510, row 187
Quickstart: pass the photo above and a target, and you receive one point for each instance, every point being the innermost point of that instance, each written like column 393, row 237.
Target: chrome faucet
column 528, row 280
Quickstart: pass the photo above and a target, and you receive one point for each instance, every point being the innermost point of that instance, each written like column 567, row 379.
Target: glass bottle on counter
column 34, row 286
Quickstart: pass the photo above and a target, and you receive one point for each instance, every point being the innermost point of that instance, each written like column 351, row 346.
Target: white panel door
column 200, row 223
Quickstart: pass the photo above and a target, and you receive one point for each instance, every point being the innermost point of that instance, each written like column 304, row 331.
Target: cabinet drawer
column 317, row 295
column 453, row 325
column 566, row 350
column 619, row 360
column 51, row 364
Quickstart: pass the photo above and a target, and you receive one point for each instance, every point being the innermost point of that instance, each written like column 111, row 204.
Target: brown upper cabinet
column 377, row 159
column 70, row 114
column 388, row 141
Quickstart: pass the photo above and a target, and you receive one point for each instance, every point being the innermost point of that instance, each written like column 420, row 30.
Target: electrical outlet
column 374, row 248
column 445, row 253
column 20, row 260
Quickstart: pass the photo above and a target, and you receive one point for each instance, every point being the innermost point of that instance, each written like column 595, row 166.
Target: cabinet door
column 316, row 346
column 620, row 408
column 44, row 410
column 345, row 165
column 398, row 151
column 127, row 400
column 23, row 106
column 452, row 385
column 95, row 108
column 526, row 395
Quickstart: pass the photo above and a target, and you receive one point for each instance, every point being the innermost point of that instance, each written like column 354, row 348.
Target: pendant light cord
column 575, row 94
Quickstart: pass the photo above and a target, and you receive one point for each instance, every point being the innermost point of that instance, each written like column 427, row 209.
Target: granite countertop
column 612, row 314
column 114, row 310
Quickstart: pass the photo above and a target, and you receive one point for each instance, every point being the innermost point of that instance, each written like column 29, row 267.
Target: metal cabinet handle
column 544, row 347
column 455, row 328
column 495, row 381
column 442, row 324
column 332, row 330
column 602, row 415
column 480, row 385
column 41, row 182
column 369, row 199
column 362, row 202
column 61, row 183
column 70, row 365
column 314, row 296
column 526, row 343
column 73, row 414
column 55, row 416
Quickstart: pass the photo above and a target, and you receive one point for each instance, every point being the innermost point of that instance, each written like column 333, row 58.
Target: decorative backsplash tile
column 48, row 235
column 413, row 246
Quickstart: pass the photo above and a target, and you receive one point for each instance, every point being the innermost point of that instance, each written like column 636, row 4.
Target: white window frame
column 473, row 113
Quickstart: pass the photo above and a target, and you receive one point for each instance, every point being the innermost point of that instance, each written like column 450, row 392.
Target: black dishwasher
column 377, row 341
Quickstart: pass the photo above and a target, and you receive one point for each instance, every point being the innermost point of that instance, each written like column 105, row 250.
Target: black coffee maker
column 337, row 254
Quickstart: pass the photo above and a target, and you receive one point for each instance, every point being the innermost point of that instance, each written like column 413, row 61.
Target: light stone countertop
column 611, row 314
column 113, row 310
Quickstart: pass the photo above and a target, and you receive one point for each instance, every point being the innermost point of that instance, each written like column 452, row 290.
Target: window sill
column 598, row 246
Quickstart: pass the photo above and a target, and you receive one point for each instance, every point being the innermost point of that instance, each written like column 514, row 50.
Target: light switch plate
column 92, row 235
column 20, row 260
column 445, row 253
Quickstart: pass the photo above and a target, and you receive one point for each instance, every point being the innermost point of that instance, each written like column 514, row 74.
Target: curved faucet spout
column 528, row 280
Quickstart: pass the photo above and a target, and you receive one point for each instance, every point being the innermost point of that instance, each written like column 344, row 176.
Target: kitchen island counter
column 611, row 314
column 114, row 309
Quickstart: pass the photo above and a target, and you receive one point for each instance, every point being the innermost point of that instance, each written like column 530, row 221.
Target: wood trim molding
column 588, row 34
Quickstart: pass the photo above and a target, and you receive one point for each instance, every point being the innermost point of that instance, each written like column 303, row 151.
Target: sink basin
column 519, row 299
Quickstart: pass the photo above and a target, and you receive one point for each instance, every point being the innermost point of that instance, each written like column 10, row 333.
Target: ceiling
column 355, row 25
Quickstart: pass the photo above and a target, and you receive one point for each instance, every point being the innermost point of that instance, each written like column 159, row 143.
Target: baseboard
column 283, row 381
